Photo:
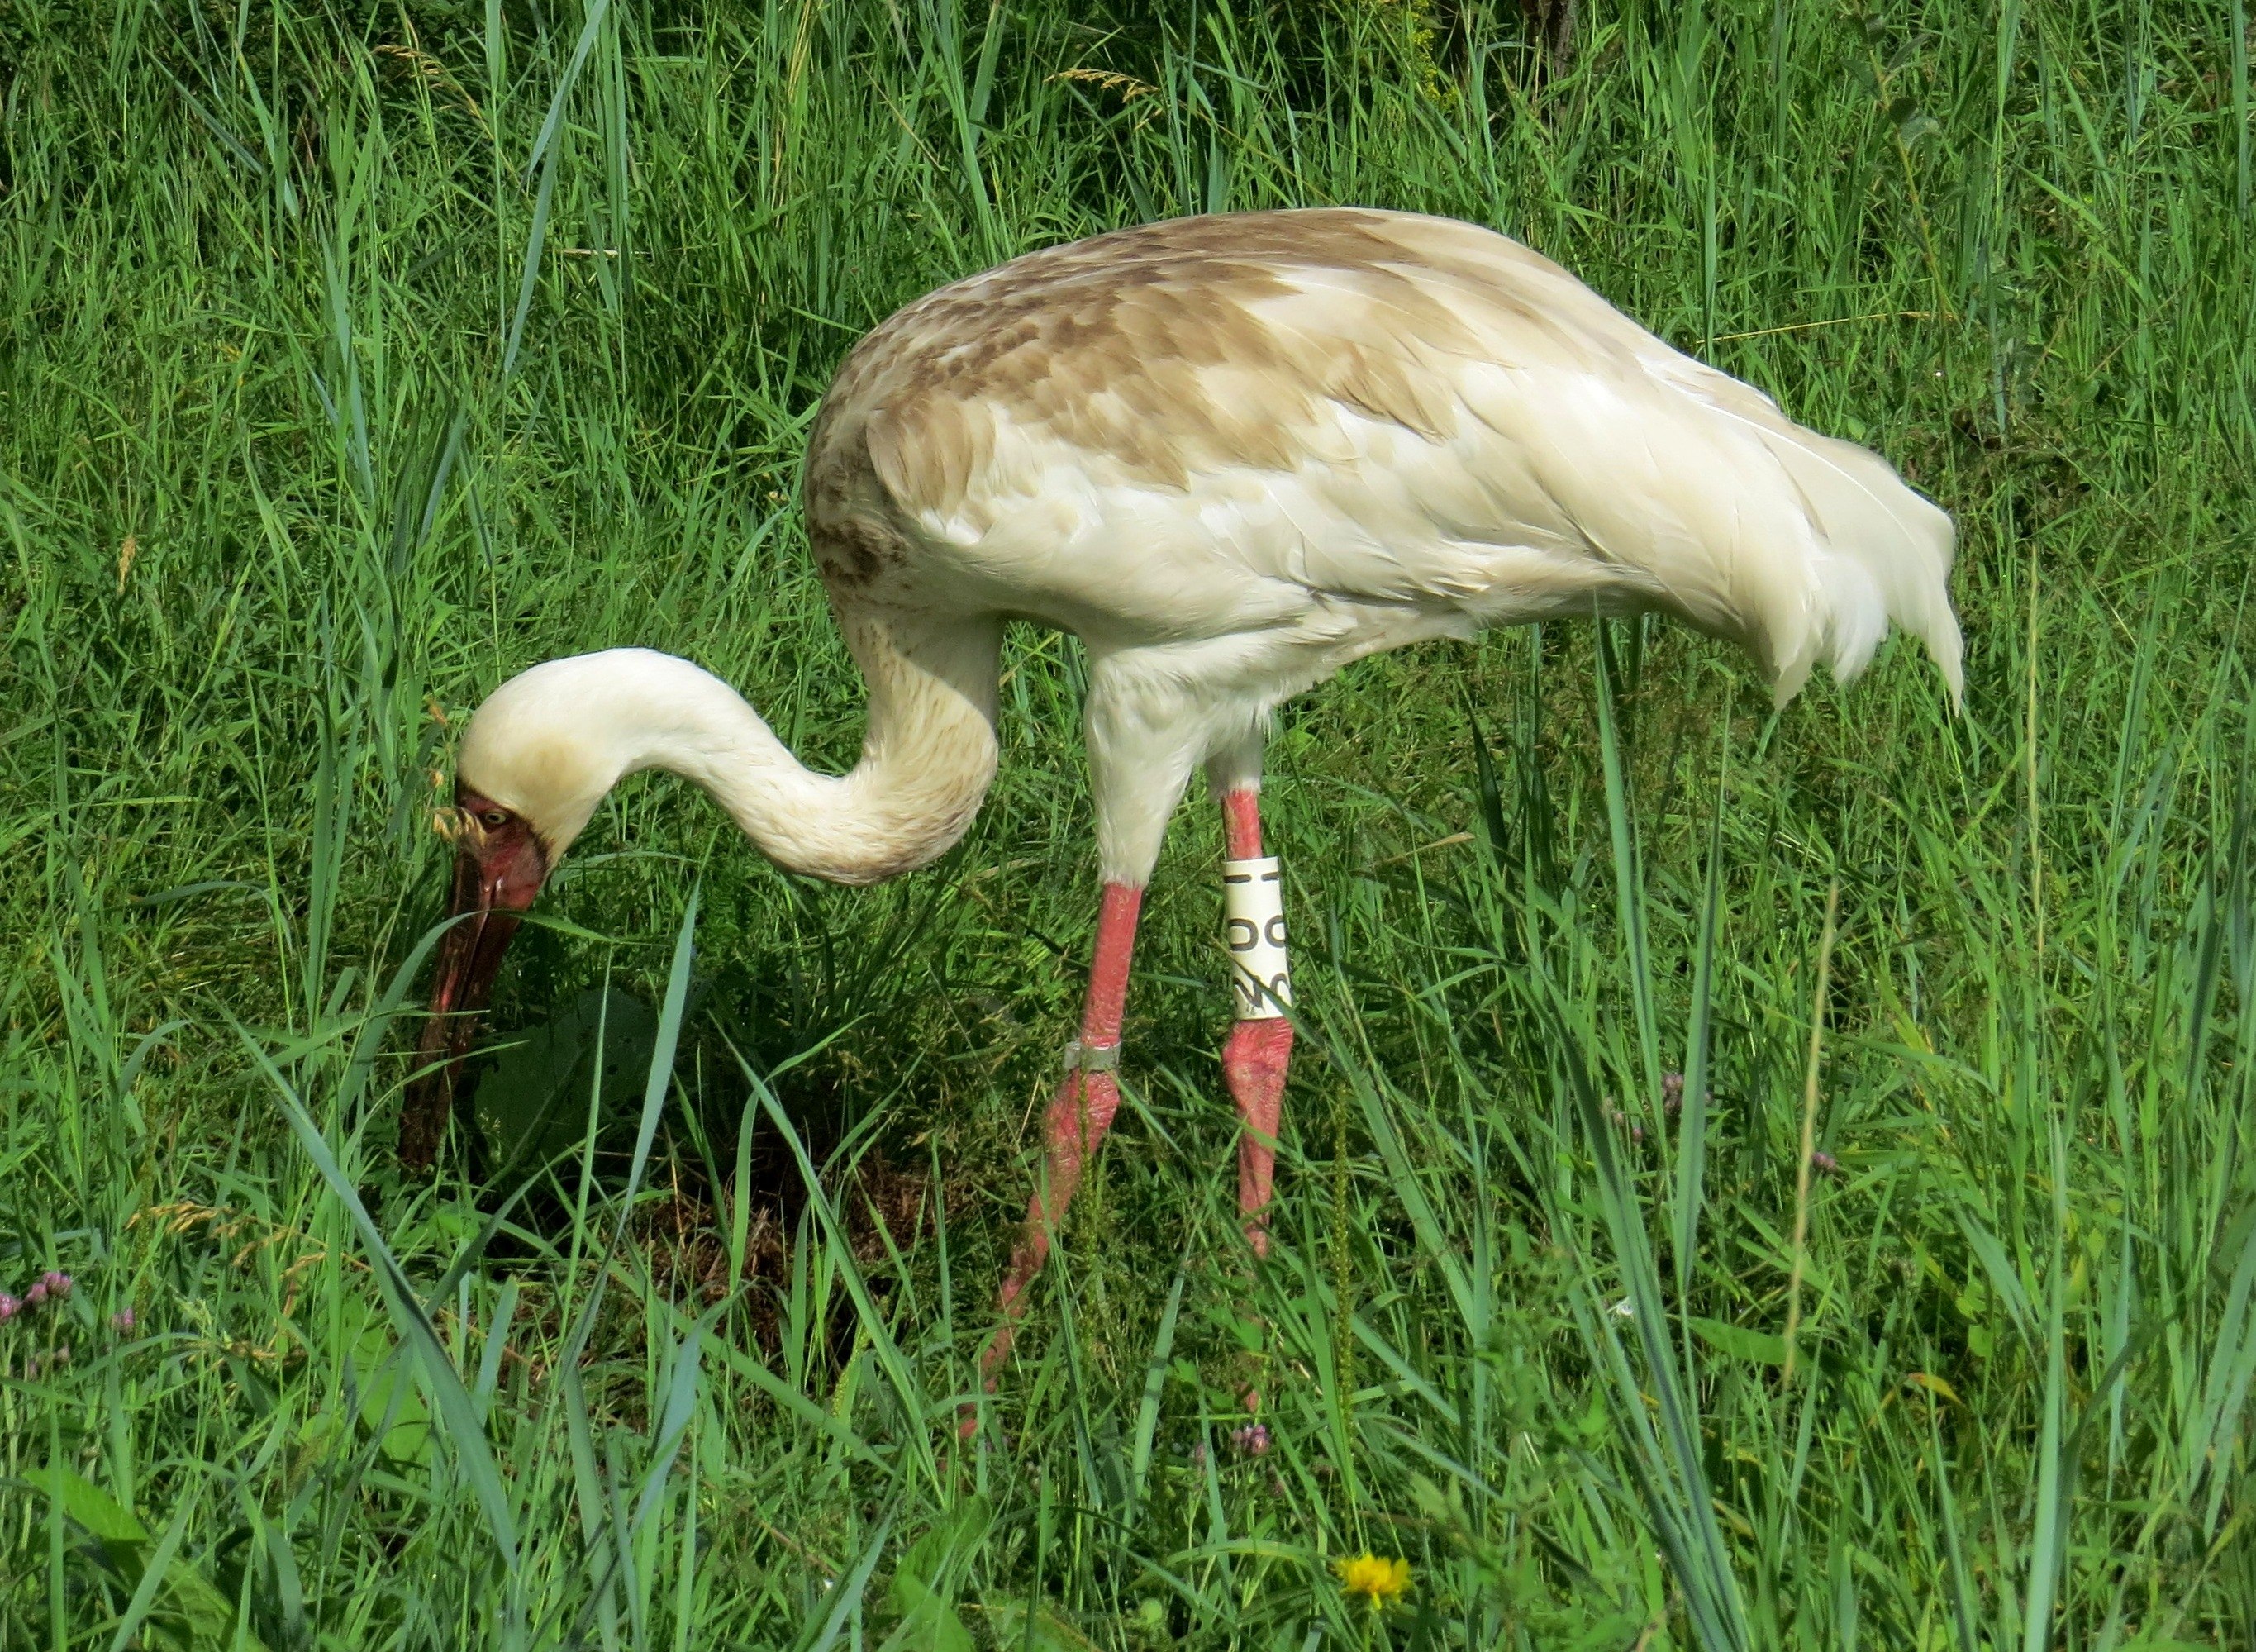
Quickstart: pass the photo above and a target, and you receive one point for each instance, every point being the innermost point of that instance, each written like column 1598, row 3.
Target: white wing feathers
column 1588, row 464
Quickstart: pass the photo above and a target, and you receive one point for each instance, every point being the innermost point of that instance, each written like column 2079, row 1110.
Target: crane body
column 1232, row 455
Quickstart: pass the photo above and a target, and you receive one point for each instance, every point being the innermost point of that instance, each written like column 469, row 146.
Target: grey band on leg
column 1091, row 1058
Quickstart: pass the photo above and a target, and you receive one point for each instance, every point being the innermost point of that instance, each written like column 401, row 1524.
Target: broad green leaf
column 1738, row 1342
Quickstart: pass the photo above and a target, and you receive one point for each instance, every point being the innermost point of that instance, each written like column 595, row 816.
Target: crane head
column 500, row 862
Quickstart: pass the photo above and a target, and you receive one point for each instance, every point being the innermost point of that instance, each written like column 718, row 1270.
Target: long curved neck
column 928, row 757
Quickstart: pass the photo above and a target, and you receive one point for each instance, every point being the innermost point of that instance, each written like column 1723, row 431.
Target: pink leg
column 1255, row 1056
column 1078, row 1118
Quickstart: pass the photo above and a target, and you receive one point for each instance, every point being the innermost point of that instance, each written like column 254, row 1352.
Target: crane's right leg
column 1078, row 1118
column 1142, row 735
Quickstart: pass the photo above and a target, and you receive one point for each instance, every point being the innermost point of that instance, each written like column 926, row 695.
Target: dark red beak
column 499, row 863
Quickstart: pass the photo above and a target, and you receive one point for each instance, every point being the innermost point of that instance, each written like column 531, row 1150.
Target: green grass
column 350, row 360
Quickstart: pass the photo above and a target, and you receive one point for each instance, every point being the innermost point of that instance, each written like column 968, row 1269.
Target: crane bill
column 498, row 873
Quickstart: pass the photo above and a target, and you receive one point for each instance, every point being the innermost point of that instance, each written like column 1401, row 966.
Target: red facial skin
column 499, row 863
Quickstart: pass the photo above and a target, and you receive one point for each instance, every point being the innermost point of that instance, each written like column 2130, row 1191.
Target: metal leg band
column 1091, row 1058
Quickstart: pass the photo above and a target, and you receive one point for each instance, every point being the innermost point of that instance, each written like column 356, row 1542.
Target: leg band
column 1091, row 1058
column 1253, row 909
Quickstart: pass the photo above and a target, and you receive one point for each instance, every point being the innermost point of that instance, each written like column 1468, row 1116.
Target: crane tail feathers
column 1859, row 548
column 1881, row 553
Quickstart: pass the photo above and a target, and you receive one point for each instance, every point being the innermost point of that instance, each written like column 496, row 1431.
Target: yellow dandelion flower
column 1378, row 1580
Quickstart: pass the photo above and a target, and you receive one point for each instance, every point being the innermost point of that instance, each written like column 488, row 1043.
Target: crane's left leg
column 1259, row 1048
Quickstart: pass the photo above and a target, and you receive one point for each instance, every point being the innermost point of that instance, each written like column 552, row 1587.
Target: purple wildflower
column 122, row 1321
column 1253, row 1439
column 58, row 1282
column 1824, row 1162
column 8, row 1307
column 37, row 1295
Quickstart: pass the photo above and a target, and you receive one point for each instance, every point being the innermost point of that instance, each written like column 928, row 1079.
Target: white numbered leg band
column 1253, row 910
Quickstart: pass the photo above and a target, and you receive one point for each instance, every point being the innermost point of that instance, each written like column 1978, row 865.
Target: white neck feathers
column 553, row 740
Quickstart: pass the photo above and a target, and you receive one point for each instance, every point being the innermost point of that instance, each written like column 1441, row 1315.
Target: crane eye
column 494, row 818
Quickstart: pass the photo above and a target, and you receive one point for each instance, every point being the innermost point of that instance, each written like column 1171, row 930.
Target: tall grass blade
column 465, row 1433
column 154, row 1576
column 1629, row 881
column 845, row 1594
column 1805, row 1161
column 1692, row 1129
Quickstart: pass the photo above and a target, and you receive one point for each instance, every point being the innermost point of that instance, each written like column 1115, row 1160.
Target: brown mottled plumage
column 1145, row 346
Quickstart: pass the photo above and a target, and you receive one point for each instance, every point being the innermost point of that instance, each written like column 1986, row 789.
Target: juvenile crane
column 1230, row 454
